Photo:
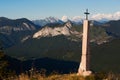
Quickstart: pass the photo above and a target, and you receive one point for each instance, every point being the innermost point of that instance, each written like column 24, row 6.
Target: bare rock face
column 14, row 31
column 50, row 32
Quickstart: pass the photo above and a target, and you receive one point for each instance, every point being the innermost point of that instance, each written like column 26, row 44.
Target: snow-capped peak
column 48, row 20
column 52, row 19
column 64, row 19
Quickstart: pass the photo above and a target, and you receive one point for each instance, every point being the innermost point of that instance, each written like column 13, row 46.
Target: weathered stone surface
column 84, row 65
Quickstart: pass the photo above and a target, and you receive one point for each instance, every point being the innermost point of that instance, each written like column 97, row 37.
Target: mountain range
column 50, row 20
column 59, row 44
column 76, row 20
column 22, row 37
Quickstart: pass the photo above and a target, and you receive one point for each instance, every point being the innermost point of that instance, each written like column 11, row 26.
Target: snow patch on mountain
column 64, row 19
column 52, row 19
column 43, row 22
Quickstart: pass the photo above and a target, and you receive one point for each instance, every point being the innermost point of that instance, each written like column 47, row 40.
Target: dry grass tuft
column 35, row 75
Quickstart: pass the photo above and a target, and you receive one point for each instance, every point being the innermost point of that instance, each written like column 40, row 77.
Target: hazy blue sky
column 35, row 9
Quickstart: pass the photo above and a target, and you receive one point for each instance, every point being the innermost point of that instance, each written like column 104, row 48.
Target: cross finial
column 87, row 13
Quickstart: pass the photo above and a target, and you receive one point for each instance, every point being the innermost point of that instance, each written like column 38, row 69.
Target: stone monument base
column 84, row 73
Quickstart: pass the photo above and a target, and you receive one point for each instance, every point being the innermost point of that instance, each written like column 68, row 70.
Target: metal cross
column 86, row 14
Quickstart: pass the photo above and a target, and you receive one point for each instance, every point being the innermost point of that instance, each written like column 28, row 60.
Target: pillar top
column 86, row 13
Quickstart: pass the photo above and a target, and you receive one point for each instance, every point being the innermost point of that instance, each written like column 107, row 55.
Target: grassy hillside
column 105, row 57
column 113, row 28
column 58, row 47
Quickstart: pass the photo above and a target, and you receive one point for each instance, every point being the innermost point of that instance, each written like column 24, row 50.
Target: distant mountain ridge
column 57, row 41
column 28, row 35
column 13, row 31
column 17, row 24
column 49, row 20
column 53, row 20
column 73, row 31
column 113, row 28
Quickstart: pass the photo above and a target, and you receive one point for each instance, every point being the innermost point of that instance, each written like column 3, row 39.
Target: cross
column 86, row 14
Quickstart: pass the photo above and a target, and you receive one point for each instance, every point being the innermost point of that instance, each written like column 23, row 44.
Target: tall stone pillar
column 84, row 64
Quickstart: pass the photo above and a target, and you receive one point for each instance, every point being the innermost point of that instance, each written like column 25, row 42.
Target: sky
column 38, row 9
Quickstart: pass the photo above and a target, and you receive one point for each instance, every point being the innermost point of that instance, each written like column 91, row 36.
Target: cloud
column 114, row 16
column 117, row 15
column 76, row 18
column 98, row 17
